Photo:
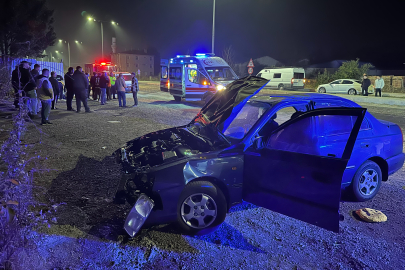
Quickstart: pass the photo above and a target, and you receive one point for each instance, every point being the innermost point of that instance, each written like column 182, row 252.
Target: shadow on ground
column 86, row 194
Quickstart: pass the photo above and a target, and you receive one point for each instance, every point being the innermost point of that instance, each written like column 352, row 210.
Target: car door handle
column 365, row 145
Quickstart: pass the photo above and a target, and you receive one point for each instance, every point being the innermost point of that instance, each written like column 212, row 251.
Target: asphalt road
column 86, row 234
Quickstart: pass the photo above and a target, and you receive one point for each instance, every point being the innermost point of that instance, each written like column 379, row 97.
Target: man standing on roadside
column 27, row 83
column 112, row 82
column 104, row 80
column 45, row 95
column 364, row 85
column 55, row 88
column 134, row 89
column 15, row 81
column 378, row 85
column 35, row 71
column 80, row 86
column 69, row 88
column 120, row 87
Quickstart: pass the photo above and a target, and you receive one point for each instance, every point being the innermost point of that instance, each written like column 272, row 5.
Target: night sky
column 287, row 30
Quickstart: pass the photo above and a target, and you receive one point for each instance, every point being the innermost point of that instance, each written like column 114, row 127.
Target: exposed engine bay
column 162, row 146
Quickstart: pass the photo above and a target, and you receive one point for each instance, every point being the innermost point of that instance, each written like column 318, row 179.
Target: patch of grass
column 66, row 230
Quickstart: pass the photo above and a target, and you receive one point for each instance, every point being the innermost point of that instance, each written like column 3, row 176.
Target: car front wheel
column 201, row 206
column 352, row 92
column 322, row 90
column 366, row 181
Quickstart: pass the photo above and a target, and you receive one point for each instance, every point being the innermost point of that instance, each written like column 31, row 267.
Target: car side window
column 280, row 117
column 297, row 137
column 330, row 125
column 259, row 75
column 277, row 75
column 335, row 82
column 347, row 82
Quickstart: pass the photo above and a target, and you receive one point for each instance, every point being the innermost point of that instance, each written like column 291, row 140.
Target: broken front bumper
column 138, row 214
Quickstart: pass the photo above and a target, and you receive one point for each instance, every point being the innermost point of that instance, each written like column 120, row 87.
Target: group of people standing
column 104, row 87
column 378, row 85
column 39, row 90
column 42, row 91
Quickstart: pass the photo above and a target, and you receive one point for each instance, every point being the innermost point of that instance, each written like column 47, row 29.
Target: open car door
column 290, row 175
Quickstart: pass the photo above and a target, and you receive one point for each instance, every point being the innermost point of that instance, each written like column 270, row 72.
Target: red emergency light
column 103, row 64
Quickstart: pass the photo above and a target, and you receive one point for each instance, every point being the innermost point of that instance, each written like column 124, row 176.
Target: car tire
column 352, row 91
column 193, row 215
column 177, row 98
column 367, row 181
column 322, row 90
column 280, row 86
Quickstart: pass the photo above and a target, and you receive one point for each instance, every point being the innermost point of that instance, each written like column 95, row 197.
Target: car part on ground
column 367, row 181
column 371, row 215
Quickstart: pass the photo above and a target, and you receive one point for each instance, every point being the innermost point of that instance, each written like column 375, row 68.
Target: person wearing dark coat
column 55, row 87
column 35, row 72
column 80, row 86
column 69, row 88
column 27, row 84
column 364, row 85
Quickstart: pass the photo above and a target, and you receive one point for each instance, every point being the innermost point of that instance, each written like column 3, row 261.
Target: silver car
column 347, row 86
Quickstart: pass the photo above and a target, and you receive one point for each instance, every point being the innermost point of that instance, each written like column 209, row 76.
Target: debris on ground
column 371, row 215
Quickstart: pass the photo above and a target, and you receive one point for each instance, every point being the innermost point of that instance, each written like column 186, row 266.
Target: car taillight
column 292, row 81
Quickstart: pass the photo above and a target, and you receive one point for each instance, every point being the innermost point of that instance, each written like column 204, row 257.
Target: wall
column 134, row 62
column 393, row 84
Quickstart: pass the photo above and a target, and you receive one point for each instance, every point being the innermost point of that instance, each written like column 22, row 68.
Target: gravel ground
column 88, row 235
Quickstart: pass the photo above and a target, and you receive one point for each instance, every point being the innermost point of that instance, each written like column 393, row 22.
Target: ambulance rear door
column 164, row 77
column 176, row 80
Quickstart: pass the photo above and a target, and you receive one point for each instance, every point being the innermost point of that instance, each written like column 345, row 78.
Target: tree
column 352, row 70
column 228, row 54
column 26, row 28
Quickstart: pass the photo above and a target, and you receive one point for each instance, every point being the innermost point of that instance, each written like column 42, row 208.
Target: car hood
column 225, row 105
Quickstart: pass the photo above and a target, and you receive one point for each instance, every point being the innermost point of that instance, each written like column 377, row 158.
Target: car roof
column 300, row 97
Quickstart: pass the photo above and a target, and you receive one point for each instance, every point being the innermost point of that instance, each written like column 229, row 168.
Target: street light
column 102, row 32
column 68, row 44
column 213, row 27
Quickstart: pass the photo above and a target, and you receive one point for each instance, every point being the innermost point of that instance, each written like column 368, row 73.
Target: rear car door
column 345, row 86
column 334, row 86
column 291, row 176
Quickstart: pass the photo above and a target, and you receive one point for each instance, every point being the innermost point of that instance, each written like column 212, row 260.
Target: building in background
column 138, row 61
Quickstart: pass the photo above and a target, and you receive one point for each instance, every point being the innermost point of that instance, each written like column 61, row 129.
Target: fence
column 11, row 63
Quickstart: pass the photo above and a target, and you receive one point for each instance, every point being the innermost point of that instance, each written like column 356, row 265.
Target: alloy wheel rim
column 198, row 211
column 351, row 92
column 368, row 182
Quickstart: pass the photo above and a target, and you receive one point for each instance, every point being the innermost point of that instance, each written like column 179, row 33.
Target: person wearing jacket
column 45, row 95
column 134, row 89
column 80, row 86
column 15, row 83
column 55, row 87
column 378, row 85
column 112, row 82
column 69, row 88
column 104, row 81
column 27, row 84
column 364, row 85
column 120, row 86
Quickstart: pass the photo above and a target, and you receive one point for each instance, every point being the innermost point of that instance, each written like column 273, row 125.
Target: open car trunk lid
column 225, row 105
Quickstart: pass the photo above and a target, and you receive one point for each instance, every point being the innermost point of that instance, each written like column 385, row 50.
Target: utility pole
column 213, row 27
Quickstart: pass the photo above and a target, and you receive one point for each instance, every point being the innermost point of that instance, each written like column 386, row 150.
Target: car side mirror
column 258, row 143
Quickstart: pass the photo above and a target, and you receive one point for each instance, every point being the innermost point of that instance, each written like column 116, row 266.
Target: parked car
column 345, row 86
column 284, row 78
column 292, row 154
column 128, row 80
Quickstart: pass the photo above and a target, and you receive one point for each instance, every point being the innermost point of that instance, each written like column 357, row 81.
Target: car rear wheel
column 352, row 92
column 201, row 206
column 366, row 181
column 322, row 90
column 280, row 86
column 177, row 98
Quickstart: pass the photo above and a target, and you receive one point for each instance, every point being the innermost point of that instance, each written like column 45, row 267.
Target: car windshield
column 221, row 73
column 245, row 120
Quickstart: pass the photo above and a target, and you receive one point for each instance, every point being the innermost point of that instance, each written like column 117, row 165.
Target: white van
column 197, row 77
column 284, row 78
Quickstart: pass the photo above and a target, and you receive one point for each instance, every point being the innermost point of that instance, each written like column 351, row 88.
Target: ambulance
column 198, row 77
column 164, row 75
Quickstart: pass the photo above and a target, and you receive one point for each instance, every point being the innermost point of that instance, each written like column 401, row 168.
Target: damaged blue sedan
column 290, row 154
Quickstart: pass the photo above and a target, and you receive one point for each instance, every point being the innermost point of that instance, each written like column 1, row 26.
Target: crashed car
column 272, row 151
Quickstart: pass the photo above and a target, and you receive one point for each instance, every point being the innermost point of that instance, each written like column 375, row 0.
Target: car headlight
column 220, row 87
column 139, row 213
